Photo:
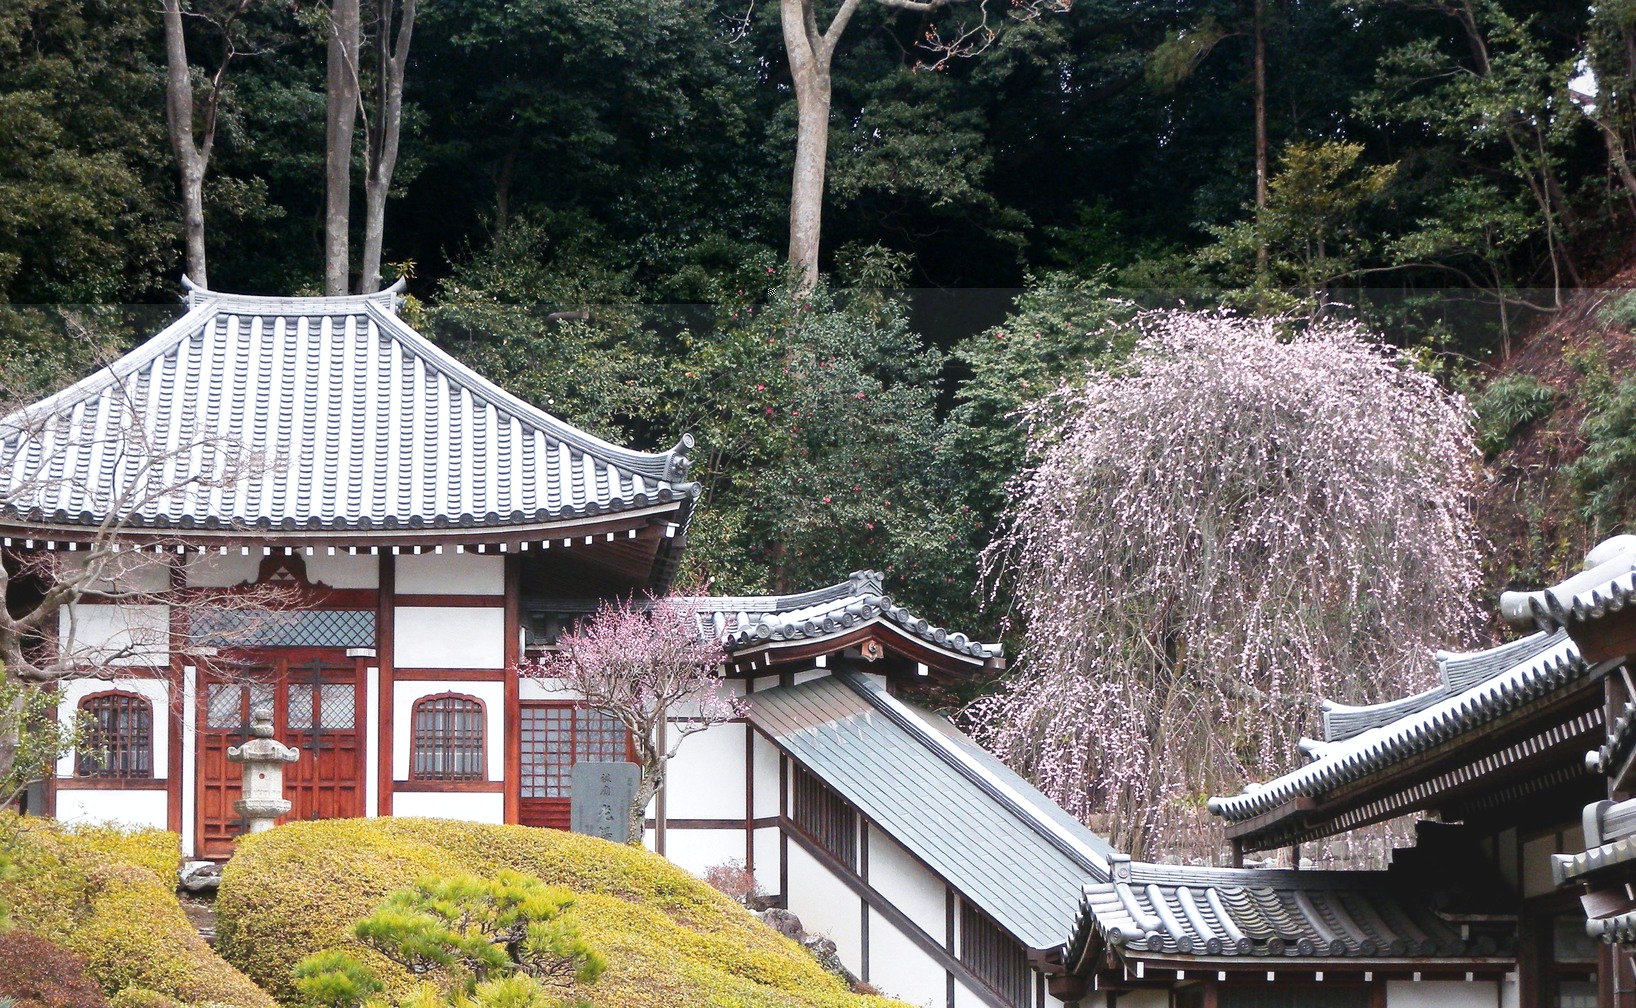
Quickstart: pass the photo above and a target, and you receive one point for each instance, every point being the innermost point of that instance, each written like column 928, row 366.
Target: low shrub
column 669, row 939
column 37, row 973
column 97, row 893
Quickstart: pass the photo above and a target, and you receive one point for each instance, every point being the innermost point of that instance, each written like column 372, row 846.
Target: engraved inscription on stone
column 601, row 799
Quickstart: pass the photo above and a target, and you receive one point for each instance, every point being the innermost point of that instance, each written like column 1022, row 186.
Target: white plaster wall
column 147, row 807
column 907, row 885
column 1510, row 992
column 808, row 676
column 71, row 692
column 100, row 633
column 190, row 755
column 449, row 637
column 216, row 570
column 469, row 806
column 705, row 780
column 404, row 695
column 125, row 571
column 900, row 968
column 1051, row 1002
column 372, row 742
column 344, row 570
column 545, row 689
column 697, row 849
column 338, row 570
column 767, row 859
column 965, row 997
column 826, row 906
column 1441, row 994
column 450, row 573
column 766, row 777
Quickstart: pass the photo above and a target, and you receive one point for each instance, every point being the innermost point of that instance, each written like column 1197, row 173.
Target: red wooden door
column 554, row 736
column 317, row 708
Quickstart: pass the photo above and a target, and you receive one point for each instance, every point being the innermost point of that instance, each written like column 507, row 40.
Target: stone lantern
column 263, row 758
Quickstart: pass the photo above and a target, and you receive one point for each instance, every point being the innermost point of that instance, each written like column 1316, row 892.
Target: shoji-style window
column 448, row 739
column 121, row 736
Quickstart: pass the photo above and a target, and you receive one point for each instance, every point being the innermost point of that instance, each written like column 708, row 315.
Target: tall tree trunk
column 1260, row 70
column 383, row 146
column 192, row 159
column 809, row 69
column 341, row 116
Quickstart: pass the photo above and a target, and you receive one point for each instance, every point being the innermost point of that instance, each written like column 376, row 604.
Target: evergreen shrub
column 669, row 938
column 97, row 893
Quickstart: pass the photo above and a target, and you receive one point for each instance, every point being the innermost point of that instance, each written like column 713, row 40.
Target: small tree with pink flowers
column 641, row 661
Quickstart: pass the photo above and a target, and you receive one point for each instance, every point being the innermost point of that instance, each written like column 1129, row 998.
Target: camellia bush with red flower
column 1233, row 524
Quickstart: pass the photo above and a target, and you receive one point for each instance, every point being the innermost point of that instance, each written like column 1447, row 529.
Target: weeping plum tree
column 1208, row 542
column 640, row 661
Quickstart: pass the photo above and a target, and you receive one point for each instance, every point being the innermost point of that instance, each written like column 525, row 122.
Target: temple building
column 1508, row 762
column 426, row 531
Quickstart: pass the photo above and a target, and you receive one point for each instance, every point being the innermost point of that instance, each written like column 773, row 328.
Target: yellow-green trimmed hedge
column 670, row 939
column 107, row 895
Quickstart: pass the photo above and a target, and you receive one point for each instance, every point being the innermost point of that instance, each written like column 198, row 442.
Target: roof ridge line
column 962, row 764
column 106, row 375
column 668, row 466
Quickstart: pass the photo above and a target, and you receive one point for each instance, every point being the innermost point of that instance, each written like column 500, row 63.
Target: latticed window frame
column 127, row 752
column 556, row 736
column 432, row 744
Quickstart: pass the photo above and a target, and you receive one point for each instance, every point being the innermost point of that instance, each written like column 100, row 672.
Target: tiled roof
column 367, row 424
column 746, row 622
column 991, row 836
column 1606, row 585
column 1550, row 664
column 1457, row 671
column 1605, row 868
column 1170, row 911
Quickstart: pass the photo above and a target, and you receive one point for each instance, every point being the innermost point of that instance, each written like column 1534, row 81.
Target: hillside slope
column 1558, row 423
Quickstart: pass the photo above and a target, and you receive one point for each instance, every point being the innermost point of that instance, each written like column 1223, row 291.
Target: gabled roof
column 1549, row 665
column 755, row 623
column 993, row 838
column 1261, row 918
column 364, row 426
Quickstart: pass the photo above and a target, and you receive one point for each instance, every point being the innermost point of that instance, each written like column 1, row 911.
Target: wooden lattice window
column 121, row 736
column 824, row 816
column 448, row 739
column 994, row 956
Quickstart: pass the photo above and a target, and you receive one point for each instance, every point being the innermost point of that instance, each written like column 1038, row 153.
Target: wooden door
column 316, row 707
column 554, row 736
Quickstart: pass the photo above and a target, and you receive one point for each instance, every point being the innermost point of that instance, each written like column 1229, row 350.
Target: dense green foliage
column 592, row 200
column 668, row 938
column 84, row 888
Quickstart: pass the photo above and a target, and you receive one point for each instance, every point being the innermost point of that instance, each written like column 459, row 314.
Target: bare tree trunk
column 809, row 58
column 340, row 121
column 192, row 160
column 1260, row 63
column 382, row 150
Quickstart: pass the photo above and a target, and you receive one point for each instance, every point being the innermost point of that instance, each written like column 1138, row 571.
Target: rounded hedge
column 669, row 938
column 108, row 896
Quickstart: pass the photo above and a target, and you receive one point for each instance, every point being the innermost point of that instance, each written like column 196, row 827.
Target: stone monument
column 263, row 758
